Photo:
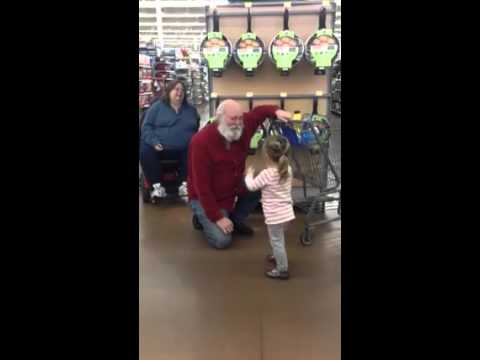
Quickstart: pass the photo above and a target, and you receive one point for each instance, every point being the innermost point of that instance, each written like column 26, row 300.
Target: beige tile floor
column 205, row 304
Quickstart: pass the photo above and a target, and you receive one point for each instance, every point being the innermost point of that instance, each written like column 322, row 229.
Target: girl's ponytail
column 283, row 165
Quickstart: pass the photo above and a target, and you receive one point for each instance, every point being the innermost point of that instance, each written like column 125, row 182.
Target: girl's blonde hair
column 276, row 148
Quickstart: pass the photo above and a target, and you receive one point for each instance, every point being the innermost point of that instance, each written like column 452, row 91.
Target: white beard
column 230, row 133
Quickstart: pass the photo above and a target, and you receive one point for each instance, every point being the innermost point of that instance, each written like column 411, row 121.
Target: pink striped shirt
column 277, row 201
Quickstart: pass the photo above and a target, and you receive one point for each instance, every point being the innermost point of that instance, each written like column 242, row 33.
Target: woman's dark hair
column 168, row 89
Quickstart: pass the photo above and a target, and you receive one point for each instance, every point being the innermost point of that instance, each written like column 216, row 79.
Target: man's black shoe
column 242, row 229
column 196, row 223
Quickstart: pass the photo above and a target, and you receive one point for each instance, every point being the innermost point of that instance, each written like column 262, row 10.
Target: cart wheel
column 306, row 238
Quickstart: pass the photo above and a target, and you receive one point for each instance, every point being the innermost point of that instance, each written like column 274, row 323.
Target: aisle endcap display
column 268, row 82
column 285, row 50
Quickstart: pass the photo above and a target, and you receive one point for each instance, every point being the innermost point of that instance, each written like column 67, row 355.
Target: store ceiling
column 179, row 23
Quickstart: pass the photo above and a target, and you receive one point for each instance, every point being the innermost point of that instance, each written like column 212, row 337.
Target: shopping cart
column 316, row 164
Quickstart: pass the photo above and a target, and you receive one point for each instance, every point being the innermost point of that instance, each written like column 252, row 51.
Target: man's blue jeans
column 216, row 237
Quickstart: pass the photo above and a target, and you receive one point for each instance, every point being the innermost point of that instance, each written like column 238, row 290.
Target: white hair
column 232, row 133
column 220, row 111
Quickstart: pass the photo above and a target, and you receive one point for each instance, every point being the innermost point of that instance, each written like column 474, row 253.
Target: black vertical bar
column 216, row 24
column 250, row 104
column 315, row 106
column 209, row 74
column 285, row 19
column 282, row 103
column 249, row 21
column 322, row 18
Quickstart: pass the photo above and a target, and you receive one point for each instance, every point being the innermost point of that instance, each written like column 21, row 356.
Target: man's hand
column 225, row 225
column 250, row 171
column 159, row 147
column 283, row 115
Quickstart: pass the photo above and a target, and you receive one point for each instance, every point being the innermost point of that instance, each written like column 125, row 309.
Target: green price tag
column 250, row 57
column 214, row 35
column 323, row 55
column 286, row 33
column 324, row 32
column 284, row 57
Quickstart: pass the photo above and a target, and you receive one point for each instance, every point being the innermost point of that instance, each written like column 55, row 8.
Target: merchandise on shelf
column 173, row 65
column 249, row 50
column 336, row 100
column 322, row 46
column 216, row 49
column 145, row 80
column 286, row 48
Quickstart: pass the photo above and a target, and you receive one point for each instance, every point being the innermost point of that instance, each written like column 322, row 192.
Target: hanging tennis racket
column 216, row 50
column 286, row 48
column 322, row 46
column 249, row 50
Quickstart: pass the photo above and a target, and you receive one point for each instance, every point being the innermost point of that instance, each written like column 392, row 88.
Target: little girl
column 276, row 184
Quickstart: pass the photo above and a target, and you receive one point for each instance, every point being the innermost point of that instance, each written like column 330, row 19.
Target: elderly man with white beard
column 216, row 164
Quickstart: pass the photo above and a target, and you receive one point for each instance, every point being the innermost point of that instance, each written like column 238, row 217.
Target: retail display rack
column 164, row 71
column 198, row 82
column 145, row 80
column 336, row 100
column 267, row 19
column 185, row 66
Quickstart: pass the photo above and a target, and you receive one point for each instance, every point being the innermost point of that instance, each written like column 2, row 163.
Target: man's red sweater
column 215, row 173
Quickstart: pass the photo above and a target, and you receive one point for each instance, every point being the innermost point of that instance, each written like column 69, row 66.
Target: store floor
column 197, row 303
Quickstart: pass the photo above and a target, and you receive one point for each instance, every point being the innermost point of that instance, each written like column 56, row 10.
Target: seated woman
column 169, row 125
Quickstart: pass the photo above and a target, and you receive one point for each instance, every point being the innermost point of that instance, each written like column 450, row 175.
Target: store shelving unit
column 336, row 100
column 164, row 71
column 145, row 81
column 296, row 92
column 198, row 82
column 301, row 85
